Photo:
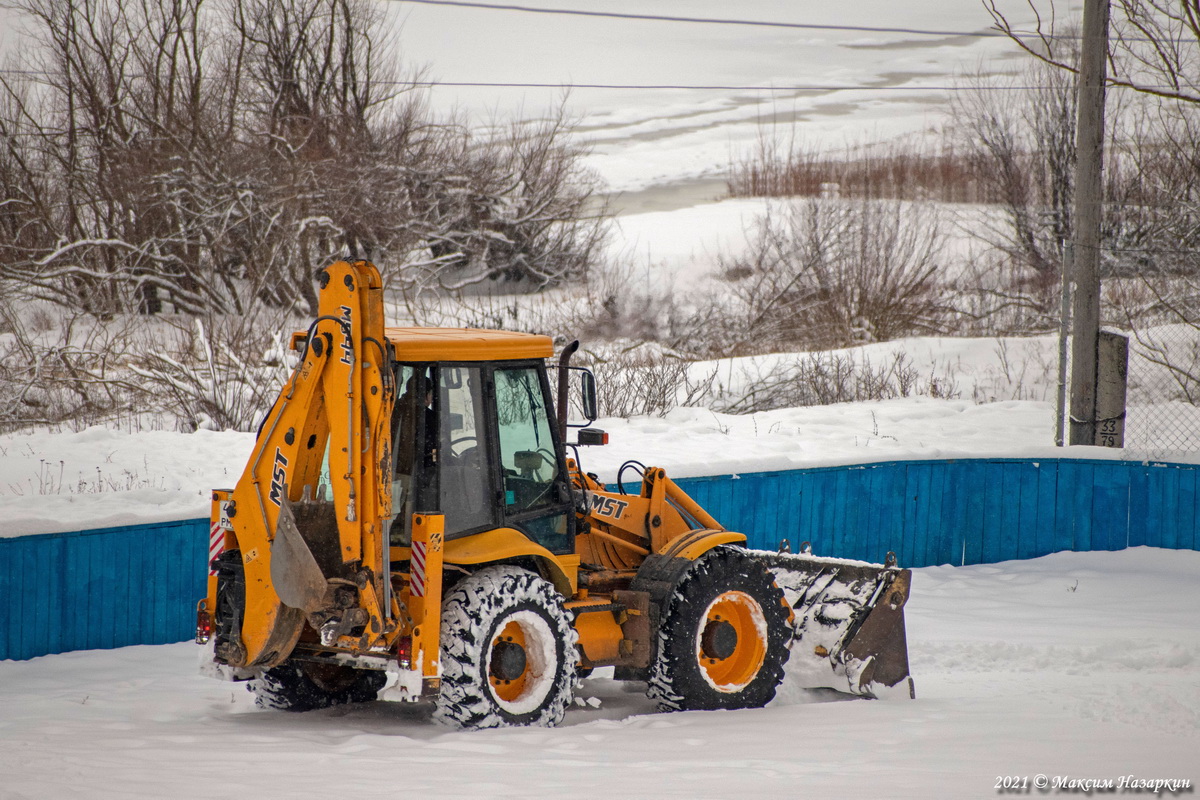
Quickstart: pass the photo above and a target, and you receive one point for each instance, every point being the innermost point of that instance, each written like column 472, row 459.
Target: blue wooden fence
column 139, row 584
column 968, row 511
column 102, row 588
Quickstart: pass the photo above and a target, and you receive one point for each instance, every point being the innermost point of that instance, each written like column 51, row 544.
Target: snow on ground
column 1084, row 665
column 668, row 250
column 1077, row 664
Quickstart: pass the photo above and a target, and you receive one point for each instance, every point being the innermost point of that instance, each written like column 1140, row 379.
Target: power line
column 772, row 88
column 982, row 34
column 432, row 84
column 715, row 87
column 709, row 20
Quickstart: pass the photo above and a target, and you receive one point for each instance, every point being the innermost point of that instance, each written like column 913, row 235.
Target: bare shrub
column 994, row 295
column 895, row 170
column 824, row 378
column 822, row 274
column 1163, row 315
column 645, row 380
column 1021, row 146
column 619, row 303
column 1153, row 133
column 220, row 372
column 512, row 206
column 1153, row 217
column 1021, row 141
column 215, row 371
column 62, row 371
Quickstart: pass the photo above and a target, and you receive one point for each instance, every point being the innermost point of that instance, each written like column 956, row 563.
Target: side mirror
column 588, row 388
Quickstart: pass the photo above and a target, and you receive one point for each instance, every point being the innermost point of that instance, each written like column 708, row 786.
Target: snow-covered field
column 647, row 138
column 1076, row 665
column 842, row 87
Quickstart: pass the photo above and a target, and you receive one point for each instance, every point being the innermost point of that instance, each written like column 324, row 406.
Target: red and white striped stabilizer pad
column 216, row 543
column 417, row 571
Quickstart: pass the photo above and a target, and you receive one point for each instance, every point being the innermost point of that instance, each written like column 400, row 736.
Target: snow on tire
column 724, row 637
column 508, row 652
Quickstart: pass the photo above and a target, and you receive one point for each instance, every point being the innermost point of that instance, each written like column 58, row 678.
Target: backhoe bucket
column 849, row 623
column 297, row 578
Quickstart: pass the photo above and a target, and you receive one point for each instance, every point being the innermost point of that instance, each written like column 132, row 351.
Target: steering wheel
column 460, row 440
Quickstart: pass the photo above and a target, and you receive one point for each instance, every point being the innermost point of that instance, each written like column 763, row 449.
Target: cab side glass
column 527, row 454
column 407, row 415
column 464, row 492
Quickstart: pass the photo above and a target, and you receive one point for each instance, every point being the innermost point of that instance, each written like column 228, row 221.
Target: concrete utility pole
column 1089, row 153
column 1112, row 379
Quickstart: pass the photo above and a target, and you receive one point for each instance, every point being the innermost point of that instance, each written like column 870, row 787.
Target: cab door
column 535, row 493
column 441, row 449
column 465, row 488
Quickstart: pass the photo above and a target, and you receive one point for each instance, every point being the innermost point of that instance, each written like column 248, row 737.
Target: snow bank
column 100, row 478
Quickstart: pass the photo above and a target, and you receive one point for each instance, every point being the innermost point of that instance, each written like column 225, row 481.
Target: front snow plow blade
column 849, row 623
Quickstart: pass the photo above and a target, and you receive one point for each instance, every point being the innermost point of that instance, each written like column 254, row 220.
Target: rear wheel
column 508, row 652
column 307, row 686
column 724, row 637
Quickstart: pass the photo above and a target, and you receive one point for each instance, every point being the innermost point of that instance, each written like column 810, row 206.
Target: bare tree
column 208, row 158
column 1021, row 141
column 512, row 207
column 159, row 167
column 1154, row 44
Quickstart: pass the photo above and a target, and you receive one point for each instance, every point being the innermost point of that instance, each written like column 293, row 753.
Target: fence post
column 1064, row 329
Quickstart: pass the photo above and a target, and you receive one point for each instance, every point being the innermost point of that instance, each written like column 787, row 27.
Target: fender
column 694, row 544
column 503, row 544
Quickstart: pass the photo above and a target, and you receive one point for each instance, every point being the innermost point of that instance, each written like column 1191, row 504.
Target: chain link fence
column 1163, row 417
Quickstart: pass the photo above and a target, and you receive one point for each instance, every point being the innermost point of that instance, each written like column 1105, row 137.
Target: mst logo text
column 608, row 506
column 278, row 476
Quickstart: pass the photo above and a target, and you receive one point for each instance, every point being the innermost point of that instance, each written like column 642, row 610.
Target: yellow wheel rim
column 507, row 687
column 730, row 645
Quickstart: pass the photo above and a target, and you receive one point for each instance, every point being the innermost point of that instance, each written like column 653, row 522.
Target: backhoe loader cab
column 409, row 526
column 475, row 440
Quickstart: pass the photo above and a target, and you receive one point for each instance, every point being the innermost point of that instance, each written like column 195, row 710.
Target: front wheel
column 508, row 652
column 724, row 637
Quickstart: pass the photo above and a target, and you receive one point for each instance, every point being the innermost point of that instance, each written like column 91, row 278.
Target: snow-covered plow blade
column 849, row 623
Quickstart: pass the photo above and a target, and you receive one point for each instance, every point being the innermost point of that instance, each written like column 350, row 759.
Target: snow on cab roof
column 466, row 344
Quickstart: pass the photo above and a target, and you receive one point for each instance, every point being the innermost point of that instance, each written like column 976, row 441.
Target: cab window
column 526, row 446
column 464, row 488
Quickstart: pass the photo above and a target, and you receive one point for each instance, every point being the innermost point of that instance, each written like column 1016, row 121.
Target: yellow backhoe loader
column 410, row 527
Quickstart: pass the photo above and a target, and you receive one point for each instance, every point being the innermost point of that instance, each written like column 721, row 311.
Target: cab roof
column 466, row 344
